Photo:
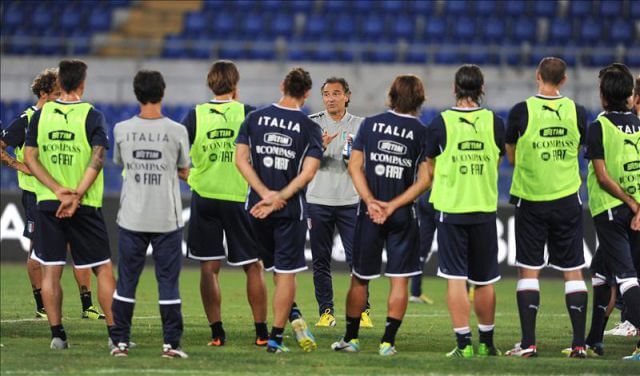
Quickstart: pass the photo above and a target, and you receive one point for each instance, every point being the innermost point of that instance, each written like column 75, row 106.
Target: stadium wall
column 110, row 81
column 14, row 247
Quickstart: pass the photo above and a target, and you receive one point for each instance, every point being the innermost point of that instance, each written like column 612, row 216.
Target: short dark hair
column 337, row 80
column 616, row 86
column 552, row 70
column 406, row 94
column 297, row 82
column 71, row 74
column 223, row 77
column 45, row 82
column 149, row 86
column 468, row 83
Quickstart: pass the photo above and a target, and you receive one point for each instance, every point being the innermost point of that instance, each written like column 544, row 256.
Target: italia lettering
column 147, row 137
column 629, row 129
column 270, row 121
column 393, row 130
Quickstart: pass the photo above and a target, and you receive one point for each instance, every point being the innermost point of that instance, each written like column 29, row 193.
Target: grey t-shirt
column 332, row 184
column 151, row 151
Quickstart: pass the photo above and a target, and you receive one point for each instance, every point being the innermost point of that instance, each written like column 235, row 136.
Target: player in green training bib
column 464, row 147
column 544, row 134
column 66, row 144
column 46, row 89
column 613, row 148
column 217, row 202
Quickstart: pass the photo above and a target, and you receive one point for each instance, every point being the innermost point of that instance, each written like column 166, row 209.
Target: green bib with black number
column 466, row 172
column 214, row 173
column 65, row 152
column 26, row 182
column 546, row 165
column 622, row 160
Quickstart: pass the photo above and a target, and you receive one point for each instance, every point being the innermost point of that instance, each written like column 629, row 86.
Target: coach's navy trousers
column 323, row 220
column 167, row 254
column 427, row 222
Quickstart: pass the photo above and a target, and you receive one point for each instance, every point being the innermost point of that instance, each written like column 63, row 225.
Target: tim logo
column 632, row 166
column 636, row 144
column 220, row 133
column 277, row 139
column 392, row 147
column 551, row 109
column 471, row 146
column 58, row 111
column 553, row 132
column 61, row 136
column 217, row 112
column 466, row 121
column 147, row 155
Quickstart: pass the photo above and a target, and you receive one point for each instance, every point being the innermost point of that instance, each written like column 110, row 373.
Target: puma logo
column 577, row 308
column 604, row 307
column 58, row 111
column 636, row 145
column 223, row 114
column 555, row 111
column 465, row 121
column 533, row 307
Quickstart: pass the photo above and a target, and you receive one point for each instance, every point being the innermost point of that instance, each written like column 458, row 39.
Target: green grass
column 423, row 339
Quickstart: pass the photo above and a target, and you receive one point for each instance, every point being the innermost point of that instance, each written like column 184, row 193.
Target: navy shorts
column 280, row 243
column 167, row 255
column 616, row 256
column 85, row 233
column 557, row 223
column 400, row 236
column 209, row 220
column 30, row 205
column 469, row 252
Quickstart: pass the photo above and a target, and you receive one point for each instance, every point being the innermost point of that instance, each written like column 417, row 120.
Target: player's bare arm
column 422, row 183
column 96, row 163
column 247, row 171
column 10, row 161
column 609, row 185
column 511, row 153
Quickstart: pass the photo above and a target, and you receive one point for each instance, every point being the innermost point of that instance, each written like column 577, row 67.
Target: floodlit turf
column 423, row 339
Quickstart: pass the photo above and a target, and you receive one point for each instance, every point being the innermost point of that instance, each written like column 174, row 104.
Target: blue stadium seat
column 13, row 16
column 371, row 28
column 376, row 55
column 457, row 7
column 299, row 54
column 611, row 8
column 486, row 7
column 315, row 26
column 392, row 6
column 580, row 8
column 363, row 6
column 591, row 32
column 282, row 25
column 304, row 6
column 415, row 56
column 436, row 29
column 201, row 48
column 236, row 52
column 516, row 8
column 598, row 59
column 344, row 26
column 43, row 17
column 253, row 26
column 274, row 5
column 492, row 30
column 100, row 19
column 325, row 53
column 621, row 31
column 464, row 29
column 404, row 27
column 560, row 31
column 71, row 18
column 447, row 56
column 195, row 23
column 172, row 48
column 632, row 57
column 634, row 10
column 422, row 7
column 545, row 8
column 524, row 29
column 335, row 6
column 224, row 23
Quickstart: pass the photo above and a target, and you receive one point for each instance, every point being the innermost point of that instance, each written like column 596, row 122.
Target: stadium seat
column 422, row 7
column 42, row 17
column 404, row 27
column 436, row 29
column 486, row 7
column 457, row 8
column 100, row 19
column 591, row 32
column 224, row 23
column 392, row 6
column 516, row 8
column 304, row 6
column 579, row 9
column 611, row 8
column 632, row 57
column 464, row 29
column 343, row 27
column 282, row 25
column 634, row 10
column 560, row 32
column 415, row 56
column 195, row 23
column 315, row 26
column 621, row 31
column 493, row 30
column 12, row 17
column 524, row 29
column 173, row 48
column 372, row 28
column 545, row 8
column 71, row 18
column 253, row 26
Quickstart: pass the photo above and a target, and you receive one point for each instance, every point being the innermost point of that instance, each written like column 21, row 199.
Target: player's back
column 393, row 146
column 280, row 138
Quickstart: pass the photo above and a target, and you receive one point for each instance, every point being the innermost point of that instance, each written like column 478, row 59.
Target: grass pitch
column 423, row 339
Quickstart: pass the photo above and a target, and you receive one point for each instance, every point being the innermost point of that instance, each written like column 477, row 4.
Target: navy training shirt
column 393, row 145
column 280, row 138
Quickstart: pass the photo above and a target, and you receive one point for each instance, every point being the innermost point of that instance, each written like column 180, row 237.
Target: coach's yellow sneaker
column 327, row 319
column 365, row 320
column 92, row 313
